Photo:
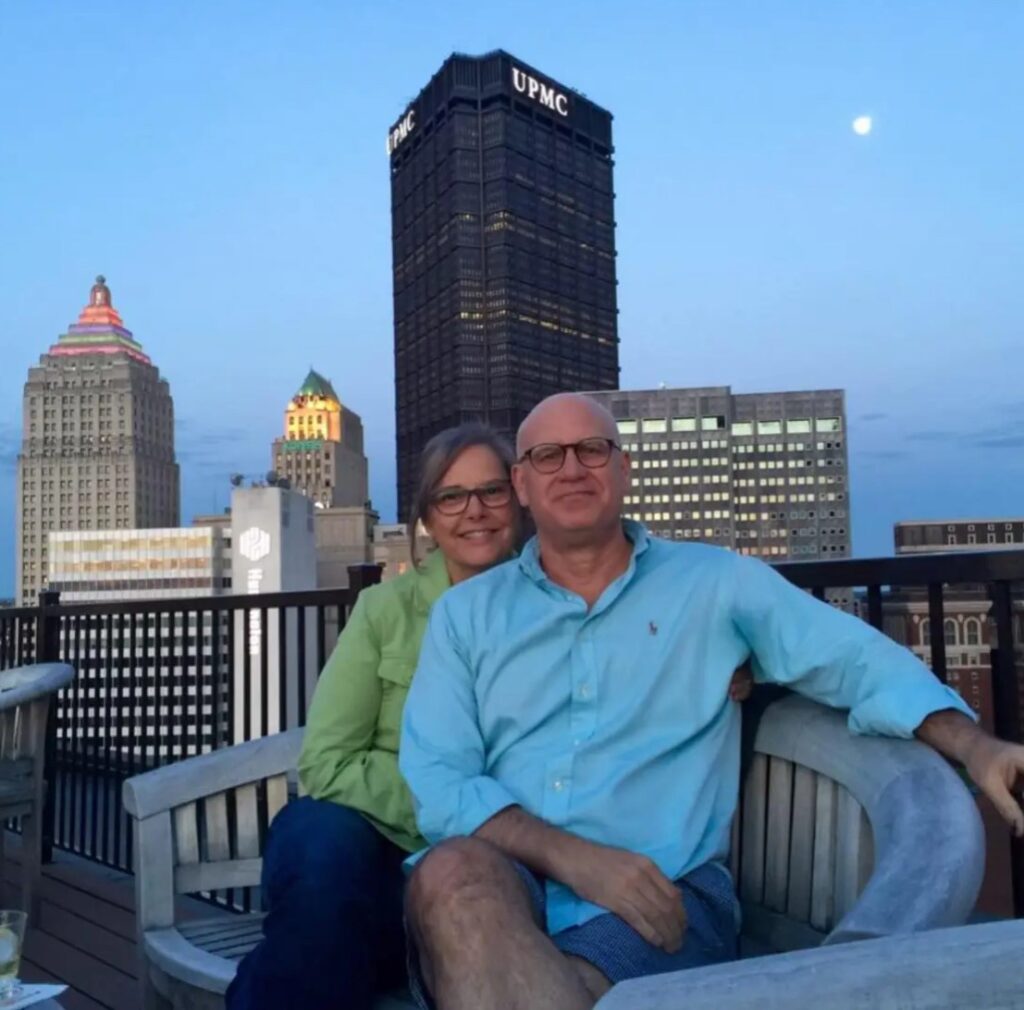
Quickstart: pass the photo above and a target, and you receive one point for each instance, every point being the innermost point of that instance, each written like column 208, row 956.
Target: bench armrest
column 186, row 781
column 929, row 842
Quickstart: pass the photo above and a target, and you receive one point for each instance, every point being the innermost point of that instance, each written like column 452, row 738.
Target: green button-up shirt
column 350, row 751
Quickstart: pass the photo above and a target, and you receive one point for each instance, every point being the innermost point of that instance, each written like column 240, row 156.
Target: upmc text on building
column 503, row 244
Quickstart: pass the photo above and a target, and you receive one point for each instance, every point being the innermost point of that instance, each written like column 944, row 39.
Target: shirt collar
column 432, row 579
column 529, row 559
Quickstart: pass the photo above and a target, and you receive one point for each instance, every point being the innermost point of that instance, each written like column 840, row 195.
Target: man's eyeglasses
column 452, row 501
column 549, row 457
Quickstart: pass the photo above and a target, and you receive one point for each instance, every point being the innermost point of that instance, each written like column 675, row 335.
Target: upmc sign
column 401, row 130
column 540, row 92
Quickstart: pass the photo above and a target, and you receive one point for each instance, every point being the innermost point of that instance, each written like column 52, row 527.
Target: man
column 569, row 741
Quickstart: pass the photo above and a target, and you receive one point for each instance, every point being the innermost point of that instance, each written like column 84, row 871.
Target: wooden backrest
column 802, row 853
column 218, row 839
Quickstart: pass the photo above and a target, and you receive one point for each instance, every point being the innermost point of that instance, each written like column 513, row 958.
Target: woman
column 332, row 871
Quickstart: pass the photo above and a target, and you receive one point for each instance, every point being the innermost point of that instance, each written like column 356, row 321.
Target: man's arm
column 443, row 758
column 628, row 884
column 996, row 767
column 841, row 661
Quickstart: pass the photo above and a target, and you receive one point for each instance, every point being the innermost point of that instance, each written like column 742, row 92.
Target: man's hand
column 633, row 888
column 742, row 683
column 629, row 885
column 996, row 767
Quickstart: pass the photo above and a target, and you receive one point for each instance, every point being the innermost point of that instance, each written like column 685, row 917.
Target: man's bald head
column 552, row 416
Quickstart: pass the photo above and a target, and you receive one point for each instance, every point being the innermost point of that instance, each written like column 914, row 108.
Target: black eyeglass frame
column 470, row 493
column 564, row 448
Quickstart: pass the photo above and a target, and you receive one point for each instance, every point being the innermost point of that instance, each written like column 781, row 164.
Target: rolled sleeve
column 442, row 753
column 834, row 657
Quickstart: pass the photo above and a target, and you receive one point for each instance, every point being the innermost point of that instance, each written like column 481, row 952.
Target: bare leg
column 595, row 981
column 479, row 945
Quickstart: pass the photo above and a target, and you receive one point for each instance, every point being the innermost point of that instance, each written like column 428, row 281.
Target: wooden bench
column 838, row 838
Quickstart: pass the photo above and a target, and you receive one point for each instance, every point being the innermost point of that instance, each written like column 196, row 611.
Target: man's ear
column 519, row 483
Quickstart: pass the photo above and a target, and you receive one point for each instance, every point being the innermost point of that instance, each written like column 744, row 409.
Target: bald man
column 573, row 752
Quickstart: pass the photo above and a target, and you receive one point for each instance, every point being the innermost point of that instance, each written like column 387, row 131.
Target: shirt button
column 558, row 785
column 584, row 690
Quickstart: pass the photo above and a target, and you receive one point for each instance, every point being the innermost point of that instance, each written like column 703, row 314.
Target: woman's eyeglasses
column 549, row 457
column 451, row 501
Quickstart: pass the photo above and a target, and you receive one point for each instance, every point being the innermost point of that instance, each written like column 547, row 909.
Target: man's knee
column 456, row 871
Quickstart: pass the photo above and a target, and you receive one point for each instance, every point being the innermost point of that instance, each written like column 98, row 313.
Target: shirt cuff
column 479, row 800
column 900, row 713
column 462, row 808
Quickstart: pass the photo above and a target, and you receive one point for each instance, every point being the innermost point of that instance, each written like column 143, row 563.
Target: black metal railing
column 159, row 680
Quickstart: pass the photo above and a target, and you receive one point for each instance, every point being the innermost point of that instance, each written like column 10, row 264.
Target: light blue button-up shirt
column 615, row 723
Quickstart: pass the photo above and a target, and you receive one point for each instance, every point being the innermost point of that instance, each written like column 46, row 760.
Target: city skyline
column 762, row 244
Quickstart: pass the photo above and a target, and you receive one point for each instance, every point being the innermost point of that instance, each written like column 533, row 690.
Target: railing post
column 48, row 651
column 1006, row 703
column 360, row 577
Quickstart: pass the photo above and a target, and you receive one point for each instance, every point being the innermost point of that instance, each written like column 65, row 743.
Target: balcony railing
column 159, row 680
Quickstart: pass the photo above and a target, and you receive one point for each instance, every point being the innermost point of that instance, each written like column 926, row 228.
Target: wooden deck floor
column 85, row 933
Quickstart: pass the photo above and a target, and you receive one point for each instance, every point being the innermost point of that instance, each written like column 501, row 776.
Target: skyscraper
column 321, row 450
column 503, row 239
column 97, row 440
column 761, row 473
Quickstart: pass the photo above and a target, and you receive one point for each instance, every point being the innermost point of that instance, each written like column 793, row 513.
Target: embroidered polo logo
column 652, row 627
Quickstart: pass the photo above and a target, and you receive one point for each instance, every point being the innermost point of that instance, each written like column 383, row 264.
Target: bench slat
column 247, row 820
column 823, row 870
column 215, row 813
column 186, row 835
column 801, row 845
column 217, row 876
column 780, row 809
column 754, row 809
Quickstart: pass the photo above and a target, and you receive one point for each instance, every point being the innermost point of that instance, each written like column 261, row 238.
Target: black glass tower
column 503, row 239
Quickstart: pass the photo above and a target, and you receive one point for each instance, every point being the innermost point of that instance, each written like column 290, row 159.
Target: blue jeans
column 333, row 937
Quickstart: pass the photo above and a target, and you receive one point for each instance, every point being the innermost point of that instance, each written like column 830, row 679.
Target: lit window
column 684, row 424
column 654, row 425
column 828, row 424
column 712, row 423
column 769, row 427
column 743, row 427
column 627, row 427
column 798, row 427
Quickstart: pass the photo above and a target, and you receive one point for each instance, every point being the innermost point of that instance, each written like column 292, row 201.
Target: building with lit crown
column 503, row 247
column 97, row 447
column 320, row 452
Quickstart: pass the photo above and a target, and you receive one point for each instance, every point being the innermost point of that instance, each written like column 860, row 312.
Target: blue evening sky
column 224, row 166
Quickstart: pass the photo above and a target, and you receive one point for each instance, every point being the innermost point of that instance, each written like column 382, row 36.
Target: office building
column 273, row 551
column 185, row 669
column 761, row 473
column 320, row 452
column 968, row 632
column 503, row 239
column 179, row 657
column 344, row 537
column 93, row 566
column 392, row 549
column 97, row 448
column 939, row 535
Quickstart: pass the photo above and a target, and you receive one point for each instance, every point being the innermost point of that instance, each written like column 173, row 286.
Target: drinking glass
column 12, row 935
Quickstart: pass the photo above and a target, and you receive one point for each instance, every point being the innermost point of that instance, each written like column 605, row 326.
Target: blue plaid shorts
column 618, row 951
